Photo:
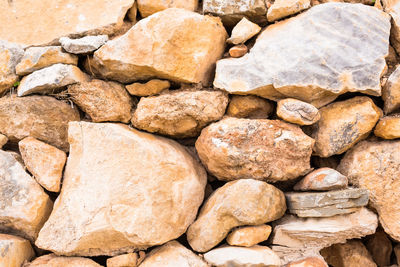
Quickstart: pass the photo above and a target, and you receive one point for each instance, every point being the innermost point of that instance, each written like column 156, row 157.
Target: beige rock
column 284, row 8
column 83, row 45
column 380, row 248
column 10, row 55
column 47, row 20
column 102, row 101
column 3, row 140
column 110, row 203
column 388, row 127
column 14, row 251
column 41, row 117
column 249, row 106
column 152, row 87
column 44, row 162
column 308, row 262
column 392, row 7
column 391, row 92
column 237, row 203
column 247, row 236
column 343, row 124
column 36, row 58
column 149, row 7
column 269, row 150
column 125, row 260
column 298, row 112
column 238, row 50
column 166, row 45
column 180, row 113
column 322, row 179
column 52, row 260
column 243, row 31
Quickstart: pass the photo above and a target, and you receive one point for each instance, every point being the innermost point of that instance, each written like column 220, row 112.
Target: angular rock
column 238, row 50
column 237, row 203
column 36, row 58
column 110, row 202
column 152, row 87
column 44, row 162
column 284, row 8
column 14, row 251
column 298, row 112
column 322, row 179
column 51, row 78
column 83, row 45
column 149, row 7
column 166, row 45
column 52, row 260
column 243, row 31
column 380, row 248
column 391, row 92
column 308, row 262
column 249, row 106
column 343, row 124
column 269, row 150
column 102, row 101
column 180, row 113
column 124, row 260
column 3, row 140
column 41, row 117
column 248, row 236
column 284, row 62
column 10, row 55
column 388, row 127
column 392, row 7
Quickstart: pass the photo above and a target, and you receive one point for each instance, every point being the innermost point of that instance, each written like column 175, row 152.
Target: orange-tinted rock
column 388, row 127
column 124, row 260
column 249, row 106
column 149, row 7
column 152, row 87
column 308, row 262
column 238, row 50
column 243, row 31
column 10, row 55
column 322, row 179
column 83, row 45
column 247, row 236
column 391, row 92
column 284, row 8
column 14, row 251
column 52, row 260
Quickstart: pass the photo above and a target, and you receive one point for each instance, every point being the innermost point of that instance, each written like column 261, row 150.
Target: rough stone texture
column 50, row 79
column 47, row 20
column 308, row 262
column 248, row 236
column 298, row 112
column 380, row 248
column 388, row 127
column 391, row 92
column 52, row 260
column 393, row 8
column 172, row 254
column 83, row 45
column 149, row 7
column 396, row 251
column 3, row 140
column 24, row 206
column 269, row 150
column 44, row 162
column 180, row 113
column 243, row 31
column 238, row 50
column 343, row 124
column 14, row 251
column 249, row 106
column 102, row 101
column 284, row 8
column 166, row 45
column 284, row 63
column 152, row 87
column 10, row 55
column 237, row 203
column 41, row 117
column 322, row 179
column 36, row 58
column 104, row 210
column 125, row 260
column 375, row 167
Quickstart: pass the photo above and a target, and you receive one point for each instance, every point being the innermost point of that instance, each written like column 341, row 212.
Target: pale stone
column 149, row 7
column 243, row 31
column 52, row 260
column 50, row 79
column 152, row 87
column 44, row 162
column 10, row 55
column 125, row 260
column 237, row 203
column 391, row 92
column 284, row 61
column 298, row 112
column 83, row 45
column 269, row 150
column 14, row 251
column 3, row 140
column 380, row 248
column 308, row 262
column 47, row 20
column 36, row 58
column 247, row 236
column 102, row 101
column 180, row 113
column 388, row 127
column 174, row 44
column 322, row 179
column 238, row 50
column 392, row 7
column 249, row 106
column 284, row 8
column 114, row 199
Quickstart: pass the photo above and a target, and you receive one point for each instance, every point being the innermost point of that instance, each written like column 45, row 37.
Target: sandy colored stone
column 149, row 7
column 388, row 127
column 152, row 87
column 298, row 112
column 247, row 236
column 41, row 117
column 322, row 179
column 14, row 251
column 36, row 58
column 243, row 31
column 47, row 20
column 124, row 260
column 238, row 50
column 180, row 113
column 249, row 106
column 392, row 7
column 52, row 260
column 10, row 55
column 308, row 262
column 110, row 203
column 343, row 124
column 297, row 58
column 391, row 92
column 173, row 44
column 284, row 8
column 44, row 162
column 380, row 248
column 102, row 101
column 83, row 45
column 237, row 203
column 269, row 150
column 3, row 140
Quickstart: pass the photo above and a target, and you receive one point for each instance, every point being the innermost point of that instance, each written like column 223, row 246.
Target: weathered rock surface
column 152, row 87
column 380, row 248
column 124, row 260
column 393, row 8
column 284, row 8
column 343, row 124
column 41, row 117
column 283, row 64
column 249, row 106
column 388, row 127
column 10, row 55
column 83, row 45
column 237, row 203
column 391, row 92
column 269, row 150
column 104, row 210
column 243, row 31
column 52, row 260
column 238, row 50
column 3, row 140
column 166, row 45
column 102, row 101
column 180, row 113
column 396, row 251
column 44, row 162
column 298, row 112
column 247, row 236
column 308, row 262
column 14, row 251
column 322, row 179
column 149, row 7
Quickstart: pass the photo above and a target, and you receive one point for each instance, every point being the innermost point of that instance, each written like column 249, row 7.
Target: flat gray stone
column 83, row 45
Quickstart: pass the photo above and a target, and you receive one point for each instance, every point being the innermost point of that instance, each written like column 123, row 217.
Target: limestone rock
column 393, row 8
column 124, row 260
column 343, row 124
column 52, row 260
column 388, row 127
column 391, row 92
column 180, row 113
column 14, row 251
column 102, row 101
column 243, row 31
column 47, row 20
column 149, row 7
column 284, row 8
column 308, row 262
column 3, row 140
column 83, row 45
column 284, row 62
column 110, row 203
column 269, row 150
column 41, row 117
column 45, row 162
column 237, row 203
column 51, row 78
column 298, row 112
column 238, row 50
column 249, row 106
column 152, row 87
column 10, row 55
column 247, row 236
column 36, row 58
column 380, row 248
column 322, row 179
column 173, row 44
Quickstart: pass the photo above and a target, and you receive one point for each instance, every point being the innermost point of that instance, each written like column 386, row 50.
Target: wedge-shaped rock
column 243, row 31
column 393, row 8
column 149, row 7
column 14, row 251
column 391, row 92
column 388, row 127
column 322, row 179
column 123, row 190
column 52, row 260
column 174, row 44
column 124, row 260
column 284, row 8
column 269, row 150
column 83, row 45
column 10, row 55
column 248, row 236
column 298, row 112
column 314, row 56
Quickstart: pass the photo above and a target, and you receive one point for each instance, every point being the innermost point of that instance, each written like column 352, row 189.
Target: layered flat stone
column 10, row 55
column 83, row 45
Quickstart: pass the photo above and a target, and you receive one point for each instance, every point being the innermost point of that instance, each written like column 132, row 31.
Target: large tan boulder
column 52, row 260
column 149, row 7
column 10, row 55
column 14, row 251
